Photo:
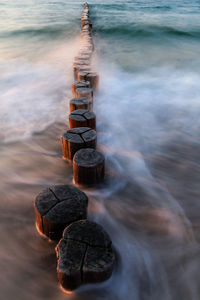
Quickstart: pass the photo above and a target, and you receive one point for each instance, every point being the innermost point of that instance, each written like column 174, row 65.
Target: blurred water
column 147, row 54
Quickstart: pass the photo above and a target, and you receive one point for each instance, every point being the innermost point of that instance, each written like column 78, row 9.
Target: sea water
column 148, row 56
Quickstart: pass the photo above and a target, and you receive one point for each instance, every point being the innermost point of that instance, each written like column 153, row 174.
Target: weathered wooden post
column 82, row 57
column 86, row 52
column 81, row 76
column 59, row 206
column 88, row 167
column 80, row 103
column 84, row 92
column 80, row 68
column 79, row 84
column 93, row 78
column 77, row 138
column 84, row 254
column 82, row 63
column 82, row 118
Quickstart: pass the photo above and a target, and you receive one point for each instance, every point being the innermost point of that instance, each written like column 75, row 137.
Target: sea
column 147, row 54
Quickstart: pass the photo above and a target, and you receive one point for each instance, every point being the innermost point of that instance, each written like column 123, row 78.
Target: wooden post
column 77, row 138
column 84, row 254
column 81, row 63
column 85, row 5
column 86, row 47
column 80, row 68
column 81, row 76
column 88, row 167
column 85, row 34
column 80, row 103
column 86, row 52
column 82, row 118
column 87, row 42
column 86, row 22
column 57, row 207
column 82, row 57
column 79, row 84
column 86, row 27
column 84, row 92
column 93, row 78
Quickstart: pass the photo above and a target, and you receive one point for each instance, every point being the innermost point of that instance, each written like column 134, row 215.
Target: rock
column 85, row 255
column 82, row 118
column 58, row 206
column 76, row 139
column 88, row 167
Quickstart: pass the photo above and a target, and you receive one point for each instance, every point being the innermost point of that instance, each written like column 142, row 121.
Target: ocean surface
column 148, row 56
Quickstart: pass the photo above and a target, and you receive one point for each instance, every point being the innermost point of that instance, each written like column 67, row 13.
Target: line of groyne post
column 79, row 142
column 84, row 250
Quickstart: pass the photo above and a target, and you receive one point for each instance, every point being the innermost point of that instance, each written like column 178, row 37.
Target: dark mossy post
column 76, row 139
column 88, row 167
column 84, row 92
column 82, row 118
column 80, row 103
column 84, row 254
column 79, row 84
column 59, row 206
